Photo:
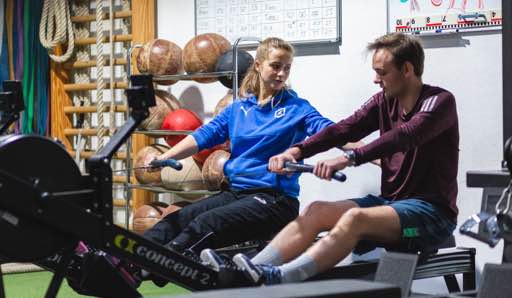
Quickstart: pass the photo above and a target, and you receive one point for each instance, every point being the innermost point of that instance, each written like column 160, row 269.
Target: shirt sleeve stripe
column 425, row 104
column 428, row 104
column 432, row 103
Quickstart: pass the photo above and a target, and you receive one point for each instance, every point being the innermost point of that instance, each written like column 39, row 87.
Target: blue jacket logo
column 245, row 111
column 280, row 113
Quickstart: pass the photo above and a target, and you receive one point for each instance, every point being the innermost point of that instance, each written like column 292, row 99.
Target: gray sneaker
column 212, row 259
column 258, row 273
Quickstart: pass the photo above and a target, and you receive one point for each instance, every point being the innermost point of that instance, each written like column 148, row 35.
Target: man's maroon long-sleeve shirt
column 419, row 151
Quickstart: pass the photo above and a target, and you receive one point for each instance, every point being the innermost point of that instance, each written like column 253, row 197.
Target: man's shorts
column 422, row 224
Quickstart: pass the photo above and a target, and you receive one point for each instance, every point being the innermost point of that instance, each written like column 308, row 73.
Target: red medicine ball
column 181, row 119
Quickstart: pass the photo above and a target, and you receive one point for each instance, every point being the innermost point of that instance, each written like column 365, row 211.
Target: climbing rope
column 81, row 76
column 112, row 114
column 55, row 24
column 101, row 132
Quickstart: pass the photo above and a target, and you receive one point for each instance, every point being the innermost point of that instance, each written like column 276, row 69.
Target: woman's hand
column 276, row 162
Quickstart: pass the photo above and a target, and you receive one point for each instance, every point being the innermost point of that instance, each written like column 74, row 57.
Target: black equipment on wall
column 506, row 8
column 490, row 226
column 11, row 104
column 507, row 154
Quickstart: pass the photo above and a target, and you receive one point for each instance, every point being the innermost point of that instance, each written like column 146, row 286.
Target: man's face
column 387, row 75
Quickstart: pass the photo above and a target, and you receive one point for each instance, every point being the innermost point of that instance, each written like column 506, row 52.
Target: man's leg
column 298, row 235
column 380, row 224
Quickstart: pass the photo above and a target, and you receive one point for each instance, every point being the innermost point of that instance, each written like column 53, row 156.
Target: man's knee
column 352, row 221
column 375, row 223
column 316, row 213
column 317, row 208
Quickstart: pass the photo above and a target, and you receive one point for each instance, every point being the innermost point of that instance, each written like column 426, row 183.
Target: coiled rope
column 55, row 24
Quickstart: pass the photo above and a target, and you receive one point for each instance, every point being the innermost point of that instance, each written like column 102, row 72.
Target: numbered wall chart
column 293, row 20
column 415, row 16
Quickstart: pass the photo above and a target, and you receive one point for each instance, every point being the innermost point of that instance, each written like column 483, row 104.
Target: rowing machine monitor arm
column 141, row 96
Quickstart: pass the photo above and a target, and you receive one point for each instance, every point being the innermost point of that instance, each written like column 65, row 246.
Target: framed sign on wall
column 297, row 21
column 438, row 16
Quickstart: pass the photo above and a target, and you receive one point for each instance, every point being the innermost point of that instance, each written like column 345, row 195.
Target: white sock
column 299, row 269
column 269, row 255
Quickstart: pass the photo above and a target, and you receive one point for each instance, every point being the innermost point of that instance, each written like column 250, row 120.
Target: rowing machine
column 47, row 207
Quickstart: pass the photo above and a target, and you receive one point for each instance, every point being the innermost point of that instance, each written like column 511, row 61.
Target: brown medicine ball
column 142, row 158
column 146, row 216
column 223, row 103
column 187, row 179
column 200, row 54
column 213, row 169
column 170, row 209
column 160, row 57
column 165, row 103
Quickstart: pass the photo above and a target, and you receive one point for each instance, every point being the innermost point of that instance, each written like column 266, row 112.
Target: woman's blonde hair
column 251, row 82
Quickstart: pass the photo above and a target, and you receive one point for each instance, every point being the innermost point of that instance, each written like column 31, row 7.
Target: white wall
column 469, row 65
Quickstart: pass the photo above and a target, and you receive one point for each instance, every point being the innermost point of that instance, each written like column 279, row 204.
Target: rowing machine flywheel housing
column 29, row 167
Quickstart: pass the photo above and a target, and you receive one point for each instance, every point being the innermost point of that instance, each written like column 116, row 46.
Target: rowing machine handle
column 298, row 167
column 167, row 163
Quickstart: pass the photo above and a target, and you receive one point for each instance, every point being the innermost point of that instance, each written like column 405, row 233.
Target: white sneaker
column 212, row 259
column 258, row 273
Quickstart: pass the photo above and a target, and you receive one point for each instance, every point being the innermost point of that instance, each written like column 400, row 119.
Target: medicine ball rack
column 161, row 133
column 48, row 207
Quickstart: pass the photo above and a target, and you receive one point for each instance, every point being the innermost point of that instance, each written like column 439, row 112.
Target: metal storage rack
column 161, row 133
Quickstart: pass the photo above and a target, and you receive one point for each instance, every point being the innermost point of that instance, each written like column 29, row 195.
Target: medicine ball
column 225, row 101
column 170, row 209
column 200, row 54
column 165, row 103
column 143, row 157
column 160, row 57
column 225, row 63
column 146, row 216
column 187, row 179
column 213, row 169
column 202, row 155
column 181, row 119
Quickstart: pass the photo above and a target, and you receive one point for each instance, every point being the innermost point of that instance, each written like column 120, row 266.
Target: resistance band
column 42, row 79
column 4, row 59
column 17, row 37
column 8, row 20
column 35, row 71
column 2, row 7
column 28, row 62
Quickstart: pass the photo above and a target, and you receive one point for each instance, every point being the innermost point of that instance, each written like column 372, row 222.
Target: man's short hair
column 403, row 48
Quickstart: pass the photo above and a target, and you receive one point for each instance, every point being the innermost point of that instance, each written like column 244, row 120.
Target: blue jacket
column 258, row 133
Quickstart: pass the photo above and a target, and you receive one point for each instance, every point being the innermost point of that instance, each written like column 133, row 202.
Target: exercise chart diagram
column 438, row 16
column 297, row 21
